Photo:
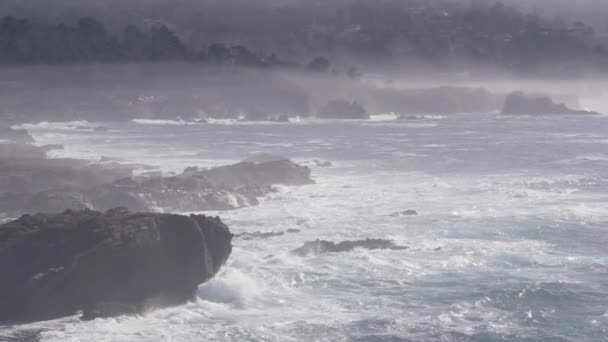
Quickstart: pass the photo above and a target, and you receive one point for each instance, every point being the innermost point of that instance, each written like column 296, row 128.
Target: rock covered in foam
column 519, row 103
column 54, row 265
column 321, row 246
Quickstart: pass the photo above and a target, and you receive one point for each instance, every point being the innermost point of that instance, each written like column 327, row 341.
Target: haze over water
column 509, row 243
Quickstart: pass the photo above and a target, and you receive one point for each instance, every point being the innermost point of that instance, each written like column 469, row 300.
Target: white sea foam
column 61, row 126
column 177, row 122
column 506, row 242
column 230, row 286
column 384, row 117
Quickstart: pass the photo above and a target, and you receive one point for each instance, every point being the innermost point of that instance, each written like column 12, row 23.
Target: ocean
column 509, row 242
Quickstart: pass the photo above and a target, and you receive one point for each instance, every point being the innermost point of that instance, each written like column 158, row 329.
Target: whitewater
column 508, row 244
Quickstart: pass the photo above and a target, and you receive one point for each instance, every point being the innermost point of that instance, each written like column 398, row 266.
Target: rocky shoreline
column 32, row 183
column 105, row 264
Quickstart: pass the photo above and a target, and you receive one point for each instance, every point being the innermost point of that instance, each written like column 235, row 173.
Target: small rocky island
column 105, row 264
column 519, row 103
column 341, row 109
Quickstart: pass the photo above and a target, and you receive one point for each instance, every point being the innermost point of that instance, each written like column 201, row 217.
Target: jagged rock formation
column 409, row 212
column 54, row 265
column 519, row 103
column 340, row 109
column 221, row 188
column 321, row 246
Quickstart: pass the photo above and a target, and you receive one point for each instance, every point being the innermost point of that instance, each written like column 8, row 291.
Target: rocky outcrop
column 20, row 175
column 321, row 246
column 519, row 103
column 221, row 188
column 440, row 100
column 340, row 109
column 54, row 265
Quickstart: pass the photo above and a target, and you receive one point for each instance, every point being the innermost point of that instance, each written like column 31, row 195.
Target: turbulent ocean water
column 509, row 244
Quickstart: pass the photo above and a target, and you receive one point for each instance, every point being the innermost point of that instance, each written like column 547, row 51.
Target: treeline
column 21, row 42
column 447, row 33
column 441, row 33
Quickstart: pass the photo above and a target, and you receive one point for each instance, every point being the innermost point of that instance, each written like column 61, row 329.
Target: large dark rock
column 222, row 188
column 54, row 265
column 340, row 109
column 321, row 246
column 519, row 103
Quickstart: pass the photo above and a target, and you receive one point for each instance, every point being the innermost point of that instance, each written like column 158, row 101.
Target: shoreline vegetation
column 329, row 39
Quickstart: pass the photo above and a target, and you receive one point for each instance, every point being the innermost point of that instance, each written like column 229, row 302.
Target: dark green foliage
column 89, row 41
column 441, row 33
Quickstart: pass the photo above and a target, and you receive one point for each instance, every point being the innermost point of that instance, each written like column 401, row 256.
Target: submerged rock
column 258, row 235
column 321, row 246
column 518, row 103
column 340, row 109
column 101, row 129
column 117, row 262
column 405, row 213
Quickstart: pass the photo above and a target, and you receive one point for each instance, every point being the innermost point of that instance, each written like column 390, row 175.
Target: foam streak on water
column 509, row 243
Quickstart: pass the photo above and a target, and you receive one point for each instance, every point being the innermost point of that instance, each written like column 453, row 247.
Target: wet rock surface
column 221, row 188
column 105, row 264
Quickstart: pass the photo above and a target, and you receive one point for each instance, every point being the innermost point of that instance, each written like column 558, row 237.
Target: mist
column 298, row 170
